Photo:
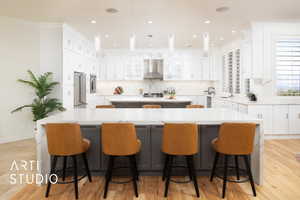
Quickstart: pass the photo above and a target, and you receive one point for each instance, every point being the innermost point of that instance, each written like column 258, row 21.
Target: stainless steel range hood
column 153, row 69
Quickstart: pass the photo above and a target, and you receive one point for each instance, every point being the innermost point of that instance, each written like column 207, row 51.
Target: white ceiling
column 184, row 18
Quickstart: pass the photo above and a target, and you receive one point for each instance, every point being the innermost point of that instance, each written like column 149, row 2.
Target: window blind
column 288, row 67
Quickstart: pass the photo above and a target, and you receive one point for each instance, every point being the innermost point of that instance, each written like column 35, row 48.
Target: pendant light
column 171, row 42
column 205, row 43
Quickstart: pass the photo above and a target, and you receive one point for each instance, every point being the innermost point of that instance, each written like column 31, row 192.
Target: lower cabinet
column 264, row 112
column 280, row 117
column 294, row 119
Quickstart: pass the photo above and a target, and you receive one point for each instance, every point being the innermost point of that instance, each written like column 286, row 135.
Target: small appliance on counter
column 252, row 96
column 157, row 94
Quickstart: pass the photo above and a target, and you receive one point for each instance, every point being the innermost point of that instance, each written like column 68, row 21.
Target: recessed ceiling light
column 233, row 31
column 207, row 21
column 222, row 9
column 221, row 38
column 149, row 22
column 195, row 36
column 106, row 36
column 111, row 10
column 93, row 22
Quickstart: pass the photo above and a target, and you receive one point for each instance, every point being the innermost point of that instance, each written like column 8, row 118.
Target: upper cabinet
column 180, row 65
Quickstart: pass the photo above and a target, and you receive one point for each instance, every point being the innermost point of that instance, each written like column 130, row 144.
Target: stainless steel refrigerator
column 79, row 89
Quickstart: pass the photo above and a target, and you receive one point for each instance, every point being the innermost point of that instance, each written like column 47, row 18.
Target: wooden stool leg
column 225, row 176
column 133, row 174
column 165, row 167
column 51, row 172
column 108, row 174
column 193, row 173
column 64, row 168
column 237, row 167
column 86, row 165
column 168, row 174
column 75, row 176
column 246, row 159
column 214, row 166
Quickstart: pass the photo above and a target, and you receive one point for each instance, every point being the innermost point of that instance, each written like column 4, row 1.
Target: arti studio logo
column 24, row 171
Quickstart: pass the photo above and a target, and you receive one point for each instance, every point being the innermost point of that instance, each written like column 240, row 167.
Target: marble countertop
column 141, row 116
column 262, row 101
column 146, row 99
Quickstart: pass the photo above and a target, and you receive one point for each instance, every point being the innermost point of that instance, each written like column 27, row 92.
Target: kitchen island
column 149, row 126
column 138, row 102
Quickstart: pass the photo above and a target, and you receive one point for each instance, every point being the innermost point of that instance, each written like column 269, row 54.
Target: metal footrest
column 231, row 168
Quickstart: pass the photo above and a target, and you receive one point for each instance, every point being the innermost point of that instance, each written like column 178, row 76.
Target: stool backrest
column 180, row 139
column 151, row 106
column 105, row 106
column 119, row 139
column 64, row 139
column 194, row 106
column 236, row 138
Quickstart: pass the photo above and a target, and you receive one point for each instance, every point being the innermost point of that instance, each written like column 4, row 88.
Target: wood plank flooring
column 281, row 182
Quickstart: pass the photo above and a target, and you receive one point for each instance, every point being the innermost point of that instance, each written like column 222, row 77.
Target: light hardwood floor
column 281, row 182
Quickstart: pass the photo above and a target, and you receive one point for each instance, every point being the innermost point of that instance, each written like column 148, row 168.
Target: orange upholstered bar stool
column 180, row 140
column 105, row 106
column 65, row 140
column 235, row 139
column 119, row 139
column 194, row 106
column 151, row 106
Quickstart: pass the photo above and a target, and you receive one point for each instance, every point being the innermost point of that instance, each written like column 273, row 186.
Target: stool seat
column 86, row 144
column 214, row 144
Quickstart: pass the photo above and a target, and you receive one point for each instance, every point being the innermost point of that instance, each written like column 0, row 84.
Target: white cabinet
column 294, row 119
column 264, row 112
column 280, row 119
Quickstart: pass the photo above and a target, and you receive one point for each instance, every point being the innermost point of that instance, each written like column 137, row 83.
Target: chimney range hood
column 153, row 69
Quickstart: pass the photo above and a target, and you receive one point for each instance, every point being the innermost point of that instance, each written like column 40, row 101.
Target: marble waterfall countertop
column 147, row 99
column 140, row 116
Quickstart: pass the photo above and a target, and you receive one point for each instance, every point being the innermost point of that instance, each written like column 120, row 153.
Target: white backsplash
column 132, row 87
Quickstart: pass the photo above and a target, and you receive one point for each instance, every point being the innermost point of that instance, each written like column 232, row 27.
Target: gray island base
column 150, row 160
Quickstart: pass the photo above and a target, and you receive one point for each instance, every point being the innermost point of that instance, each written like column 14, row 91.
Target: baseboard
column 14, row 139
column 281, row 136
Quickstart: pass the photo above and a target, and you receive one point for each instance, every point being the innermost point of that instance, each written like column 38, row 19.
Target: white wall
column 19, row 50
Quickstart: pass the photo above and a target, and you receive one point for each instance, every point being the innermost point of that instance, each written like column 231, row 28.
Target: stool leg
column 214, row 166
column 51, row 172
column 168, row 174
column 225, row 176
column 193, row 173
column 64, row 168
column 108, row 174
column 86, row 165
column 189, row 167
column 165, row 167
column 75, row 176
column 246, row 159
column 133, row 174
column 237, row 167
column 135, row 167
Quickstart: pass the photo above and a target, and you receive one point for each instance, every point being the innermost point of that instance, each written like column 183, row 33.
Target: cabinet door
column 144, row 156
column 294, row 119
column 158, row 157
column 280, row 119
column 265, row 113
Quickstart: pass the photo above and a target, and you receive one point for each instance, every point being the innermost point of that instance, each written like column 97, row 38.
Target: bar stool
column 151, row 106
column 65, row 140
column 194, row 106
column 235, row 139
column 119, row 139
column 105, row 106
column 180, row 140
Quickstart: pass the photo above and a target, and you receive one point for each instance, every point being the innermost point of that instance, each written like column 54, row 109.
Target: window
column 288, row 67
column 230, row 74
column 238, row 72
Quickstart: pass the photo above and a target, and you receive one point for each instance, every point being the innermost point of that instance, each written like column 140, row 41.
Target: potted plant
column 42, row 105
